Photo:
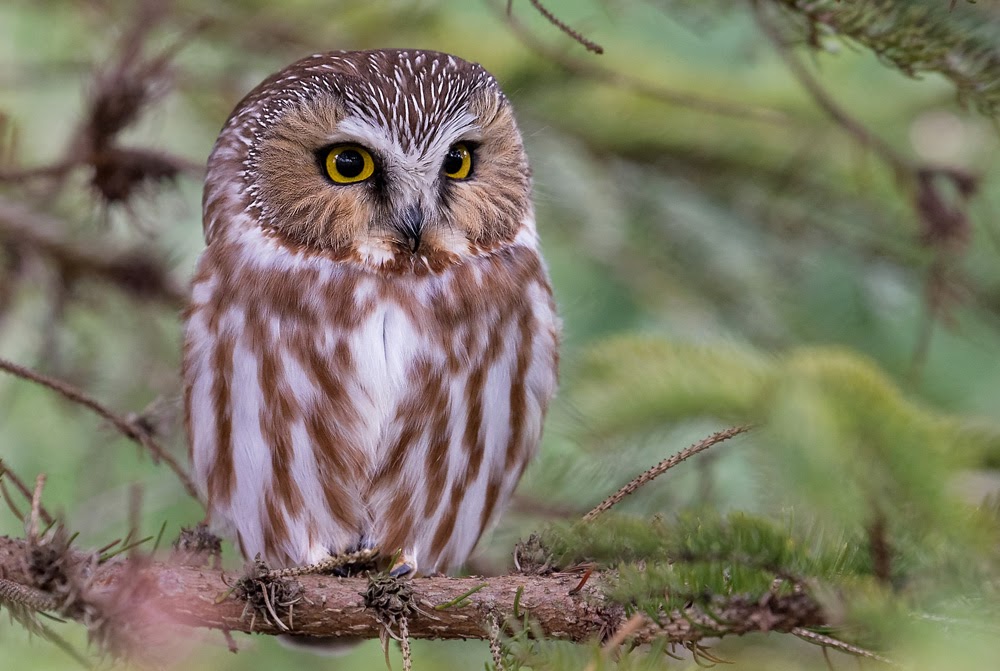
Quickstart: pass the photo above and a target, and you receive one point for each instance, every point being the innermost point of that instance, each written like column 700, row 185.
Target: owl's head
column 399, row 160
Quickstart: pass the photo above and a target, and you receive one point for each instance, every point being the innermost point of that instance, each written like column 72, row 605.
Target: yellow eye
column 458, row 162
column 349, row 163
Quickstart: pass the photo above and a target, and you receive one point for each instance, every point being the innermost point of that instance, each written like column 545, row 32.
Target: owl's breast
column 329, row 406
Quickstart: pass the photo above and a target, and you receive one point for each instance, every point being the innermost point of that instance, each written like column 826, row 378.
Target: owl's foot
column 403, row 566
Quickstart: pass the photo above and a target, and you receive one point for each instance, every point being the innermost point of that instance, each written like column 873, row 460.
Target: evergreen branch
column 665, row 466
column 915, row 37
column 184, row 597
column 24, row 604
column 129, row 428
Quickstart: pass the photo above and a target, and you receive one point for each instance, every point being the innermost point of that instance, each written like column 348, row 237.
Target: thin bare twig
column 829, row 642
column 561, row 25
column 52, row 171
column 9, row 500
column 130, row 430
column 620, row 80
column 665, row 466
column 36, row 506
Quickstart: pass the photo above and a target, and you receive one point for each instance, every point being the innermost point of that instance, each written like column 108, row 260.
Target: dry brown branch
column 605, row 75
column 187, row 596
column 56, row 170
column 665, row 466
column 561, row 25
column 131, row 430
column 135, row 272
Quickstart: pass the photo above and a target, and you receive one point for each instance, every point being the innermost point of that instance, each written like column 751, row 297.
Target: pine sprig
column 706, row 537
column 915, row 37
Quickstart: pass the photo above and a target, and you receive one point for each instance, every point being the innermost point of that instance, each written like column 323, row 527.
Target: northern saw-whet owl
column 371, row 341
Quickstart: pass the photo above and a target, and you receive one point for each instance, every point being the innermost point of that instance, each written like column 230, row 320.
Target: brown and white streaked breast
column 343, row 388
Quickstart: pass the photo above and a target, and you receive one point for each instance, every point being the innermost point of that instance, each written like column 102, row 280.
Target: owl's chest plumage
column 330, row 407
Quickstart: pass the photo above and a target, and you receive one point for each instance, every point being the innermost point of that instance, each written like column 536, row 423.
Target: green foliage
column 773, row 270
column 823, row 411
column 695, row 557
column 634, row 382
column 917, row 37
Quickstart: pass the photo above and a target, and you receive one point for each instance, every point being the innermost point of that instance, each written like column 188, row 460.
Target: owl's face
column 400, row 160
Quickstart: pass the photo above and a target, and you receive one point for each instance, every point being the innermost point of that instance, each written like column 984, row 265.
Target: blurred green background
column 753, row 233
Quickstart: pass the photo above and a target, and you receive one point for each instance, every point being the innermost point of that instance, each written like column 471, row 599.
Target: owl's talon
column 402, row 567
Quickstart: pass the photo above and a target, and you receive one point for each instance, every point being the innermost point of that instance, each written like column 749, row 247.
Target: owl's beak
column 410, row 224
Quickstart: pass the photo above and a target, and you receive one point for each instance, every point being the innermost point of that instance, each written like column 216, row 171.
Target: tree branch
column 335, row 606
column 134, row 271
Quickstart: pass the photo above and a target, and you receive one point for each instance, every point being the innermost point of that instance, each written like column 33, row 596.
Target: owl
column 371, row 341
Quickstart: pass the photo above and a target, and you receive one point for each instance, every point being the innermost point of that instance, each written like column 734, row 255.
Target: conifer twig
column 35, row 599
column 496, row 648
column 326, row 565
column 404, row 645
column 129, row 429
column 830, row 642
column 665, row 466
